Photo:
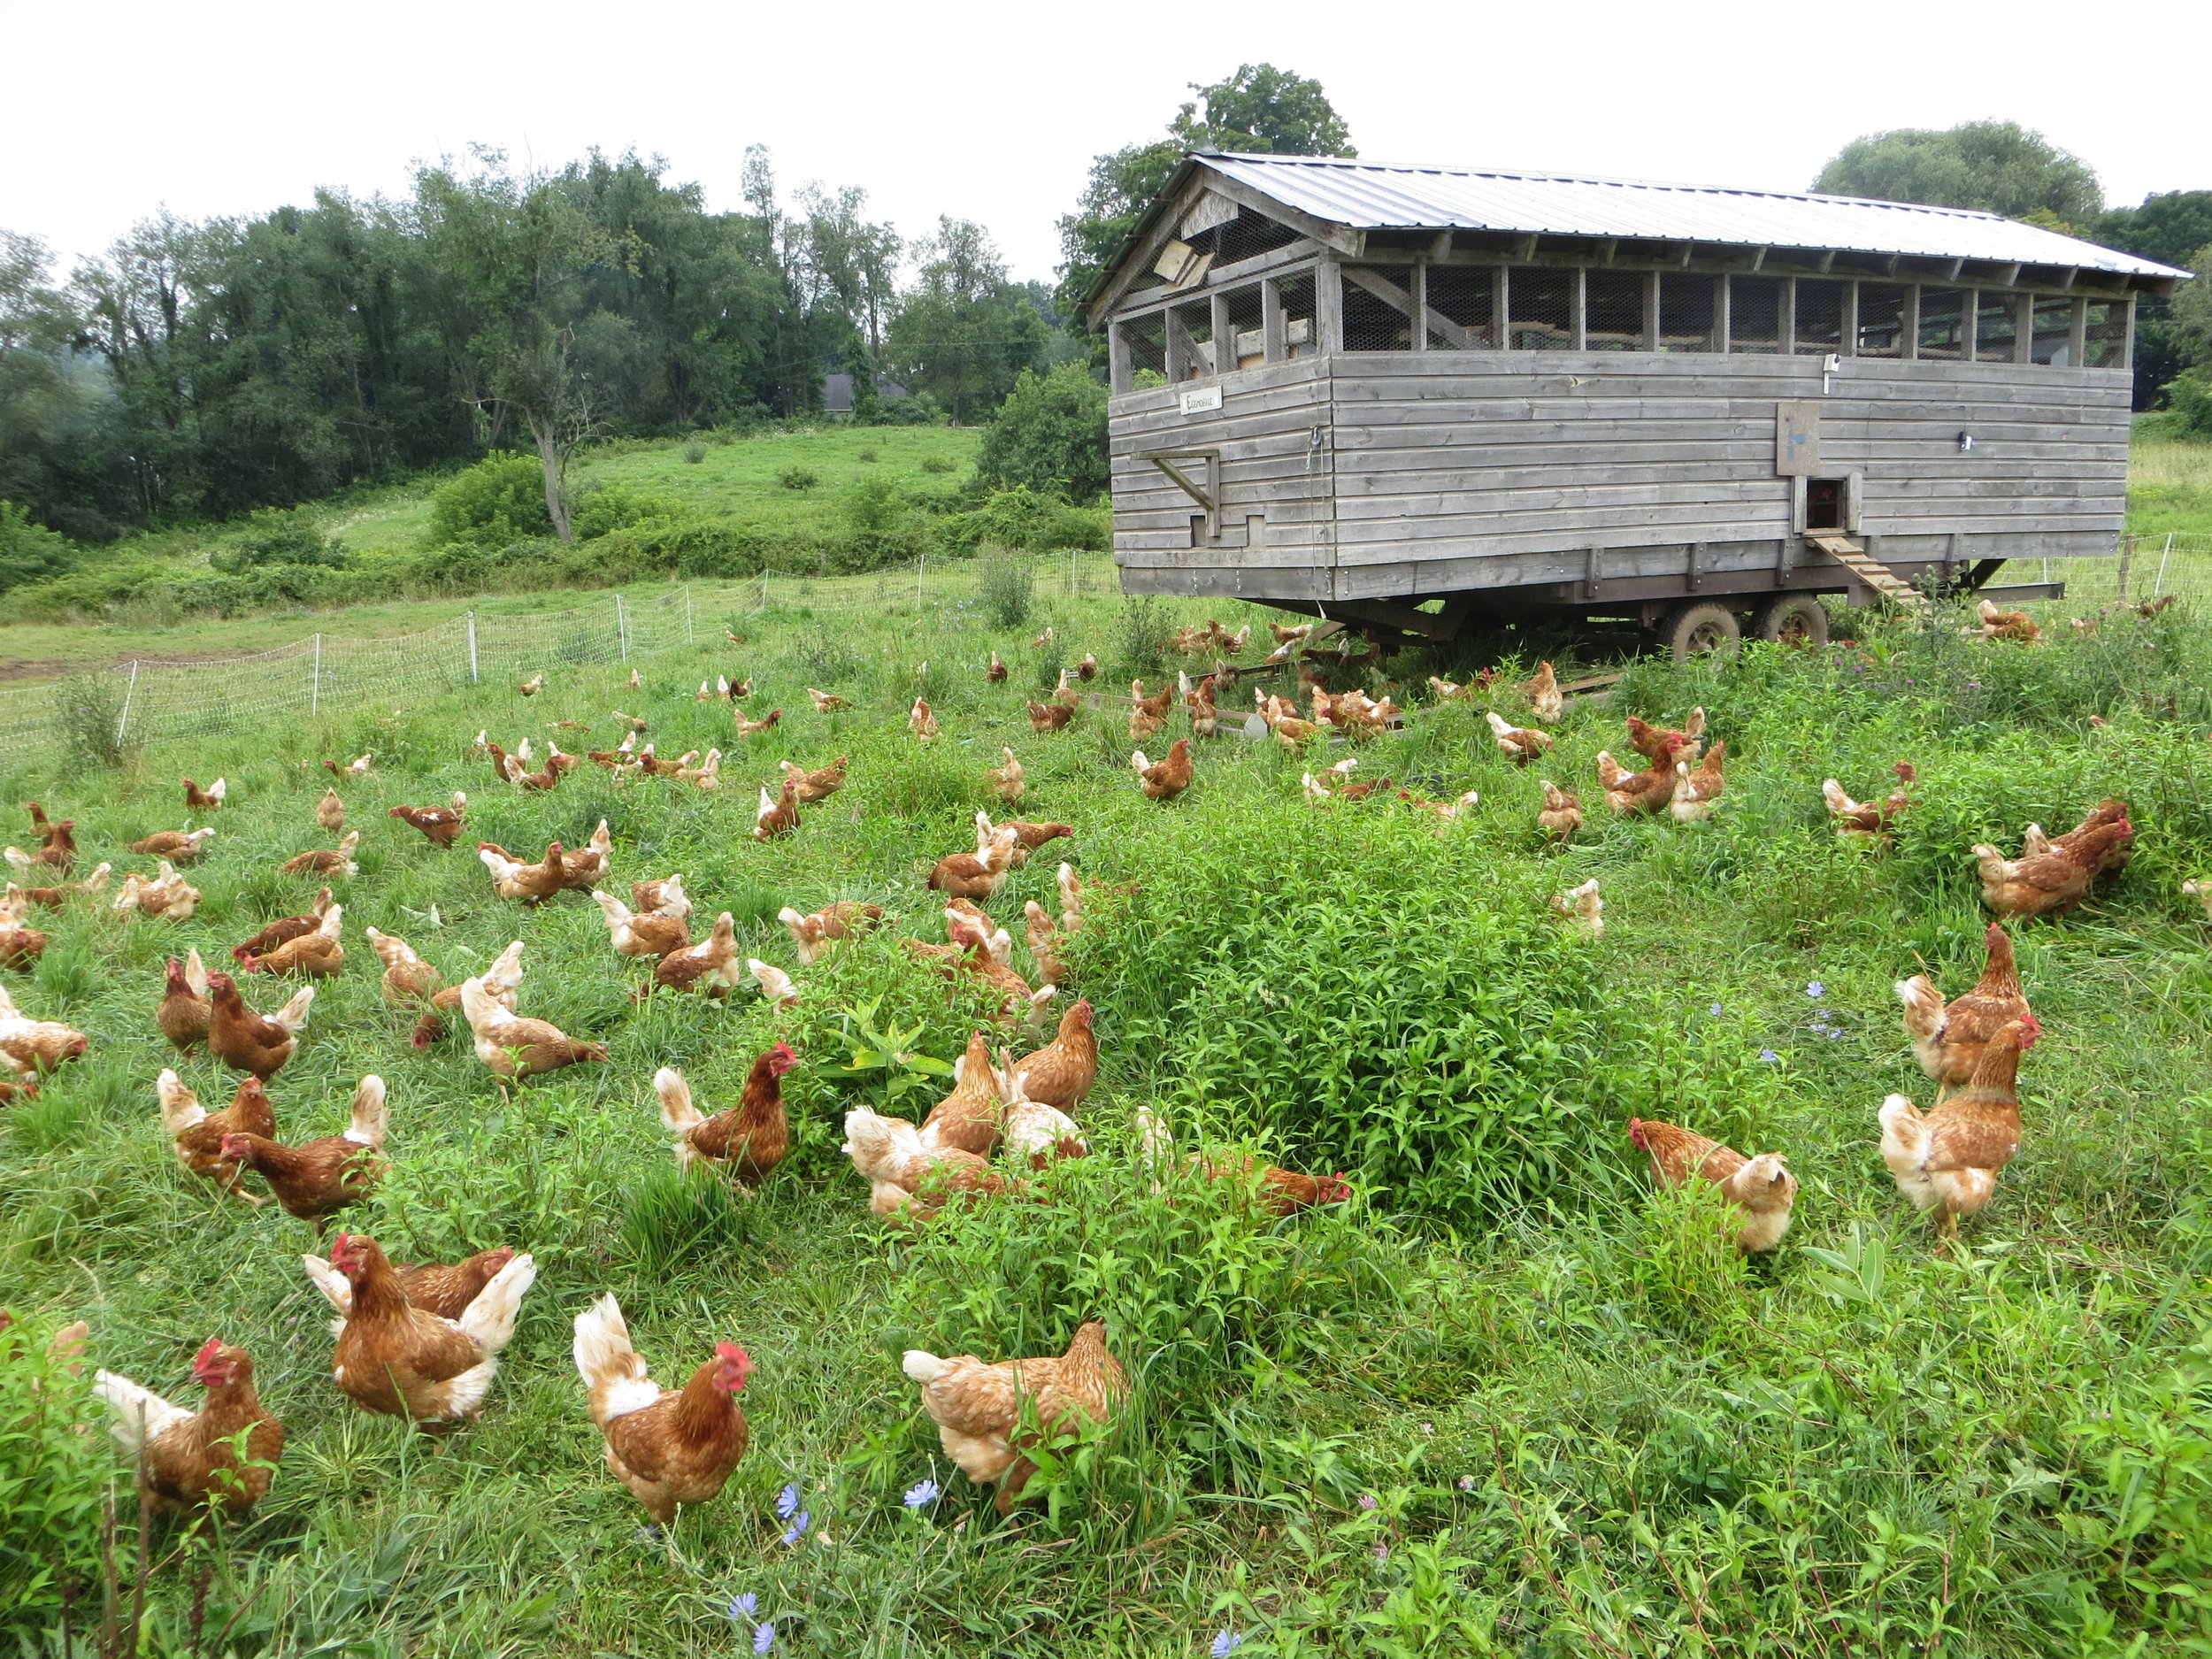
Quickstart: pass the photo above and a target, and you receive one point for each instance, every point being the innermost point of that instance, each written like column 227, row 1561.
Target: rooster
column 1584, row 906
column 324, row 861
column 1167, row 776
column 1761, row 1188
column 315, row 1179
column 1948, row 1041
column 1518, row 744
column 1638, row 792
column 441, row 825
column 1544, row 695
column 1949, row 1159
column 813, row 935
column 513, row 1048
column 1562, row 815
column 711, row 967
column 669, row 1447
column 1864, row 817
column 246, row 1041
column 981, row 1409
column 809, row 788
column 647, row 935
column 181, row 847
column 749, row 1139
column 1006, row 781
column 1695, row 792
column 2048, row 883
column 198, row 1134
column 208, row 800
column 315, row 956
column 532, row 884
column 779, row 816
column 185, row 1458
column 399, row 1360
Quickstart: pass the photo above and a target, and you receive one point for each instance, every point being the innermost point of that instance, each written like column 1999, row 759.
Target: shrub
column 273, row 537
column 1004, row 584
column 498, row 500
column 696, row 451
column 2189, row 398
column 88, row 713
column 1049, row 436
column 798, row 478
column 936, row 463
column 52, row 1474
column 1023, row 518
column 870, row 456
column 31, row 552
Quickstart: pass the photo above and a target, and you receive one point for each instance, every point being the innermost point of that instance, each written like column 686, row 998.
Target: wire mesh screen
column 1145, row 341
column 1882, row 320
column 2053, row 342
column 1377, row 310
column 1247, row 336
column 1295, row 294
column 2105, row 336
column 1996, row 326
column 1543, row 303
column 1755, row 314
column 1942, row 323
column 1686, row 314
column 1820, row 316
column 1461, row 301
column 1613, row 311
column 1249, row 235
column 1190, row 330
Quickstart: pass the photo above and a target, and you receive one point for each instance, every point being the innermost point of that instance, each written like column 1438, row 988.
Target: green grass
column 1502, row 1403
column 2169, row 486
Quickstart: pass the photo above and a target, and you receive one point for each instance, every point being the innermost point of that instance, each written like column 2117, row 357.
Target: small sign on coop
column 1199, row 399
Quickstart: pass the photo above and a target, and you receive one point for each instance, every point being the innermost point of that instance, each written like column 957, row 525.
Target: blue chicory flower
column 787, row 1502
column 1767, row 1057
column 1717, row 1011
column 1225, row 1643
column 1816, row 989
column 797, row 1529
column 763, row 1638
column 742, row 1607
column 922, row 1493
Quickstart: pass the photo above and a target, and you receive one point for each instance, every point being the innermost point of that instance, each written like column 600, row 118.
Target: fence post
column 687, row 639
column 2159, row 586
column 122, row 721
column 1070, row 573
column 2127, row 557
column 921, row 564
column 621, row 630
column 315, row 680
column 473, row 679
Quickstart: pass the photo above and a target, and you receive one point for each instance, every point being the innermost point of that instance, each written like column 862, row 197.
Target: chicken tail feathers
column 613, row 1373
column 678, row 1116
column 924, row 1368
column 181, row 1108
column 372, row 1117
column 1924, row 1007
column 490, row 1318
column 141, row 1414
column 293, row 1015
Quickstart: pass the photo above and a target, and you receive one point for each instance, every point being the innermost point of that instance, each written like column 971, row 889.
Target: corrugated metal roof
column 1374, row 196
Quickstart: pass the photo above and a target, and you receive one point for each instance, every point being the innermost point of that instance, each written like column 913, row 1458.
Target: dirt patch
column 30, row 668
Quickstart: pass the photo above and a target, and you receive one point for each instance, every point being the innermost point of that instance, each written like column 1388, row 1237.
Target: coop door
column 1823, row 504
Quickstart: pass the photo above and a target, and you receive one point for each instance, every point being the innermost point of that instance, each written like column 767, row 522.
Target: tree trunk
column 549, row 457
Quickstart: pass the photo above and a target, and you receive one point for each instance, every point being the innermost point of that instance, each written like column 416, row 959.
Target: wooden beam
column 1403, row 301
column 1608, row 249
column 1527, row 250
column 2012, row 275
column 1348, row 241
column 1440, row 245
column 1827, row 262
column 1951, row 270
column 2078, row 343
column 1271, row 319
column 1759, row 258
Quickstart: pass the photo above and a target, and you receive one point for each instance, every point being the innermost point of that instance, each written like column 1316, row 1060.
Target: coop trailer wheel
column 1793, row 619
column 1700, row 629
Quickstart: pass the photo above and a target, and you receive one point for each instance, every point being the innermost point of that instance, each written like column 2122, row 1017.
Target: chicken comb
column 208, row 1351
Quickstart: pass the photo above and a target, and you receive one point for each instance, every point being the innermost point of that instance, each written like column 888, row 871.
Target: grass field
column 1504, row 1402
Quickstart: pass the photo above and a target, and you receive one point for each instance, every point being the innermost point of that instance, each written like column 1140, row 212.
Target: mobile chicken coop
column 1401, row 397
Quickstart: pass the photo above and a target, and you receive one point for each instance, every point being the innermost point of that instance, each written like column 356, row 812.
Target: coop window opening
column 1819, row 316
column 2052, row 340
column 1996, row 326
column 1543, row 301
column 1144, row 339
column 1942, row 324
column 1299, row 302
column 1755, row 315
column 1246, row 330
column 1881, row 331
column 1460, row 307
column 1190, row 333
column 2105, row 334
column 1613, row 311
column 1688, row 313
column 1378, row 306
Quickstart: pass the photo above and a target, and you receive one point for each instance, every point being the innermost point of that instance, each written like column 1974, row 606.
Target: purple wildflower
column 763, row 1638
column 1367, row 1501
column 1767, row 1057
column 924, row 1492
column 742, row 1607
column 787, row 1502
column 1816, row 989
column 1466, row 1483
column 1225, row 1643
column 797, row 1529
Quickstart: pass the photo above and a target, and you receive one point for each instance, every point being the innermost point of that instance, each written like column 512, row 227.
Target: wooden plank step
column 1870, row 571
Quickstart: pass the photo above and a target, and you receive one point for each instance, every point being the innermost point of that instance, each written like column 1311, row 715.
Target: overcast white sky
column 991, row 111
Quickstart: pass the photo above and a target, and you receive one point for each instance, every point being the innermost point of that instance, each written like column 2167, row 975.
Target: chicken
column 1061, row 1073
column 532, row 884
column 753, row 728
column 353, row 771
column 531, row 686
column 1695, row 792
column 1448, row 812
column 1205, row 717
column 921, row 721
column 285, row 928
column 557, row 763
column 1641, row 792
column 666, row 896
column 980, row 1408
column 711, row 967
column 441, row 825
column 1049, row 717
column 183, row 1012
column 185, row 1458
column 775, row 985
column 330, row 811
column 399, row 1360
column 1148, row 714
column 1517, row 744
column 32, row 1048
column 54, row 898
column 1165, row 779
column 813, row 935
column 1544, row 695
column 502, row 981
column 1948, row 1041
column 315, row 956
column 1650, row 740
column 514, row 1048
column 246, row 1041
column 21, row 945
column 1562, row 815
column 907, row 1181
column 1857, row 818
column 1035, row 1133
column 1762, row 1188
column 977, row 876
column 819, row 785
column 316, row 1178
column 2201, row 892
column 58, row 847
column 2015, row 625
column 167, row 895
column 1029, row 836
column 1446, row 691
column 1088, row 669
column 2048, row 883
column 1949, row 1159
column 1283, row 720
column 407, row 978
column 1070, row 899
column 181, row 847
column 1006, row 781
column 1042, row 936
column 208, row 800
column 970, row 1117
column 828, row 701
column 737, row 690
column 779, row 816
column 669, row 1447
column 750, row 1137
column 584, row 867
column 706, row 776
column 1281, row 1192
column 995, row 674
column 1584, row 904
column 1289, row 636
column 445, row 1291
column 328, row 861
column 2116, row 852
column 650, row 934
column 198, row 1134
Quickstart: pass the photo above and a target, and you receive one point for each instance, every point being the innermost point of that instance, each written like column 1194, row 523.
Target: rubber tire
column 1798, row 618
column 1719, row 626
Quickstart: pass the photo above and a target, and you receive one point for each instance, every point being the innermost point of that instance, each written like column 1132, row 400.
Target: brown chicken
column 514, row 1048
column 828, row 701
column 327, row 861
column 978, row 875
column 2015, row 625
column 432, row 1287
column 399, row 1360
column 198, row 1133
column 1877, row 822
column 407, row 978
column 921, row 720
column 1165, row 779
column 665, row 896
column 1148, row 714
column 2116, row 852
column 2047, row 883
column 185, row 1458
column 1518, row 744
column 20, row 945
column 1562, row 815
column 1761, row 1188
column 669, row 1447
column 1029, row 837
column 315, row 956
column 970, row 1118
column 1949, row 1159
column 286, row 927
column 1049, row 717
column 316, row 1178
column 1637, row 793
column 812, row 936
column 181, row 847
column 978, row 1409
column 58, row 851
column 753, row 728
column 330, row 811
column 1948, row 1042
column 1543, row 694
column 243, row 1040
column 779, row 816
column 711, row 967
column 1648, row 740
column 1061, row 1073
column 1279, row 1191
column 995, row 674
column 647, row 935
column 819, row 785
column 182, row 1015
column 1695, row 792
column 1006, row 781
column 584, row 868
column 907, row 1181
column 32, row 1048
column 440, row 825
column 532, row 884
column 207, row 800
column 750, row 1139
